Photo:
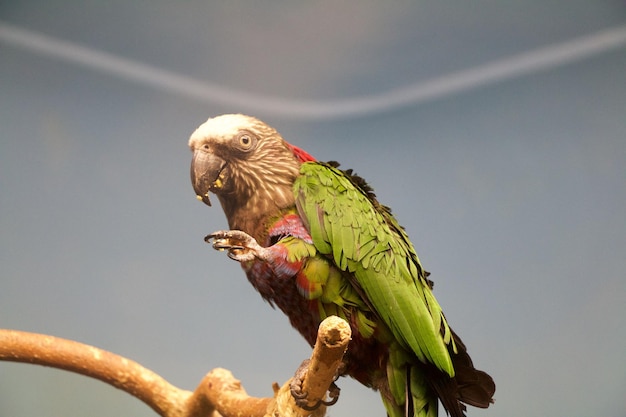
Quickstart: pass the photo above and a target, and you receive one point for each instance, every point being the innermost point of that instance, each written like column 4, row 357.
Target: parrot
column 315, row 242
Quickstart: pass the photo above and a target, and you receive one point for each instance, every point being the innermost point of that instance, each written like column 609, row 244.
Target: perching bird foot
column 240, row 246
column 300, row 396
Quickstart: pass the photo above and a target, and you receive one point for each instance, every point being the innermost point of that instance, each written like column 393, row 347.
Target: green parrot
column 314, row 241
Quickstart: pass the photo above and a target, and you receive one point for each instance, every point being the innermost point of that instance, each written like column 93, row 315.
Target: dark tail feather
column 475, row 387
column 447, row 391
column 469, row 385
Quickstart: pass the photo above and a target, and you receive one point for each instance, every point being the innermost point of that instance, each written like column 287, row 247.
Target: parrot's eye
column 245, row 141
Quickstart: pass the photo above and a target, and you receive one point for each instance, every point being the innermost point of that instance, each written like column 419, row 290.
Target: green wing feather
column 362, row 237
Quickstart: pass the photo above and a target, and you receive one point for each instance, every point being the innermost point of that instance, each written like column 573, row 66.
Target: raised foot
column 240, row 246
column 301, row 397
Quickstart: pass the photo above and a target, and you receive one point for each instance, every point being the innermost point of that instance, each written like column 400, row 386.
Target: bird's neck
column 254, row 213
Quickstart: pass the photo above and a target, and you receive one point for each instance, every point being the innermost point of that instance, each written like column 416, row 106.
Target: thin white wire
column 492, row 72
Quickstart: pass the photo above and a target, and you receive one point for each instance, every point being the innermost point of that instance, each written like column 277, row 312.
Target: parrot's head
column 243, row 161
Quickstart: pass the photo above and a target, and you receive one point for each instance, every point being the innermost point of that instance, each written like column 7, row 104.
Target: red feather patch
column 307, row 288
column 302, row 155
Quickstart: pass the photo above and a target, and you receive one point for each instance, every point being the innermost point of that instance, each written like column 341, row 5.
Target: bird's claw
column 300, row 397
column 240, row 246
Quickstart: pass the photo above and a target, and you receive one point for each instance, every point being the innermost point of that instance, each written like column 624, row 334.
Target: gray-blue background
column 510, row 177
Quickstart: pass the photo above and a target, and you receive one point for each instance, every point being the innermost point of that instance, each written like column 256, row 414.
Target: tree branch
column 219, row 394
column 79, row 358
column 332, row 341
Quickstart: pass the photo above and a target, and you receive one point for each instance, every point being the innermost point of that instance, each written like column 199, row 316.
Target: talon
column 235, row 256
column 307, row 407
column 214, row 235
column 331, row 402
column 333, row 393
column 241, row 247
column 220, row 245
column 300, row 397
column 296, row 386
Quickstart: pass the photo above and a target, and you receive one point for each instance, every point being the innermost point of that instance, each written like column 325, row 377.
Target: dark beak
column 206, row 170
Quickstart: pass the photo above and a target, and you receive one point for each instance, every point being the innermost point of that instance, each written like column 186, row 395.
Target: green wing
column 363, row 238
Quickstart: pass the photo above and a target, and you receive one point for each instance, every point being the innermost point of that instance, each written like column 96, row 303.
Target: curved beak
column 206, row 174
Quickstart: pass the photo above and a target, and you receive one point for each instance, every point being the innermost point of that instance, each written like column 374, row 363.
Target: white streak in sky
column 492, row 72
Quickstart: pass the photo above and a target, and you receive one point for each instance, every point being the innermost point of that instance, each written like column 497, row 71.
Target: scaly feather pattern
column 369, row 243
column 328, row 247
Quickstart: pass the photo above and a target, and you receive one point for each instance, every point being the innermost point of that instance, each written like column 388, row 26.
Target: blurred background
column 496, row 130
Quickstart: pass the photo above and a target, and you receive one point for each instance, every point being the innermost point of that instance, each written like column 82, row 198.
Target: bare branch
column 333, row 336
column 332, row 341
column 219, row 394
column 220, row 390
column 79, row 358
